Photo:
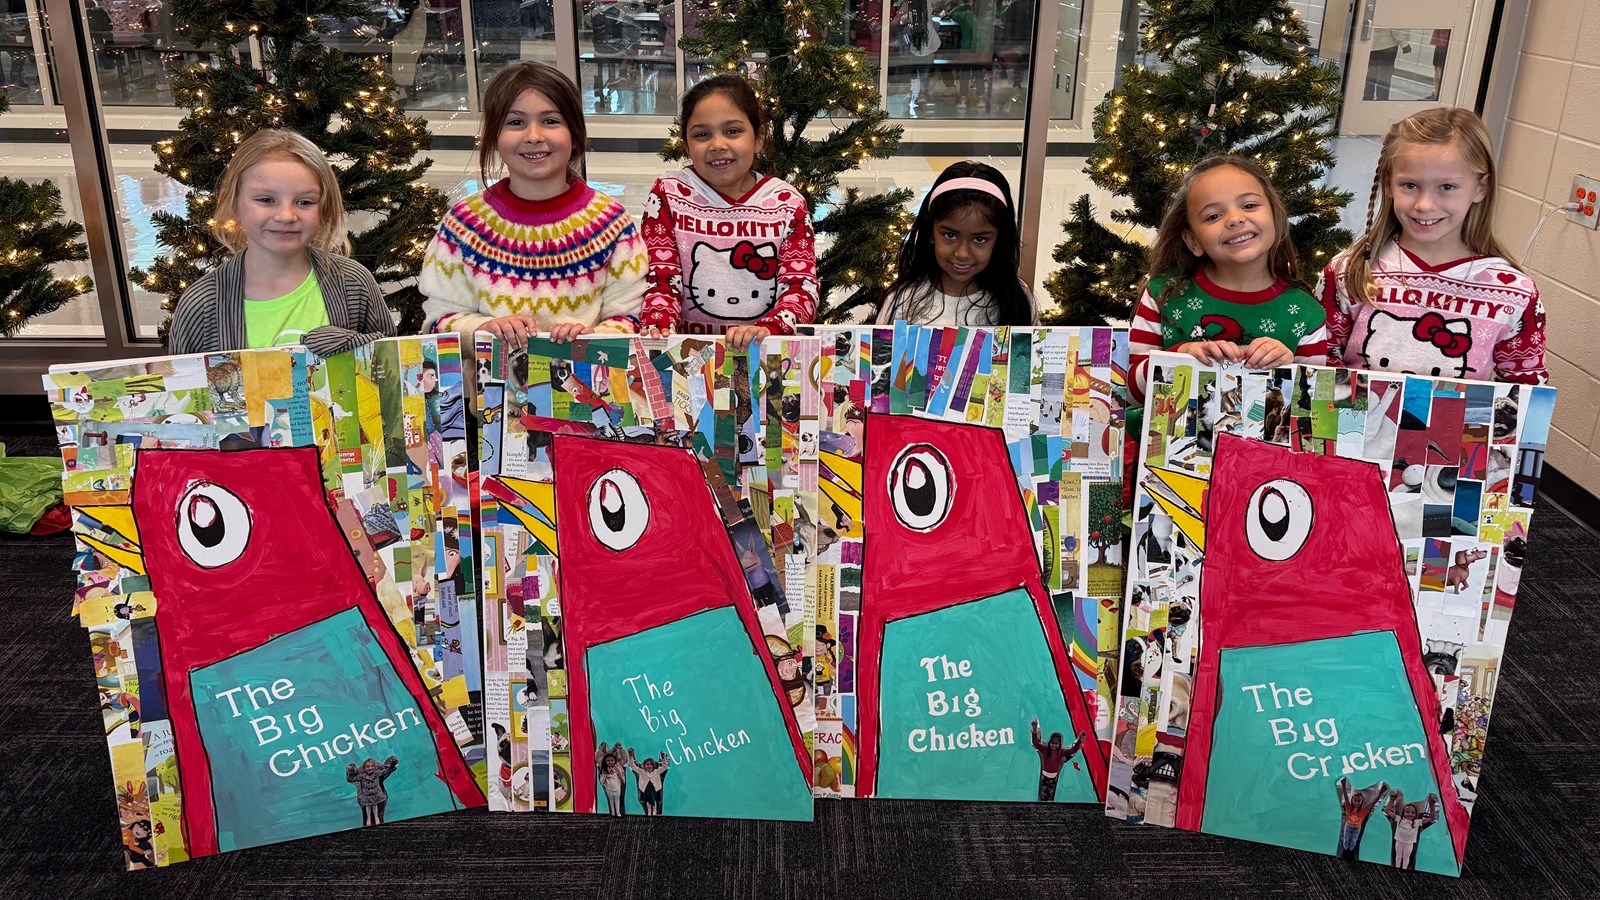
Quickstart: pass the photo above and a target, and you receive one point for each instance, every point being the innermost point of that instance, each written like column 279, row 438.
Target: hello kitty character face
column 740, row 284
column 1427, row 345
column 652, row 206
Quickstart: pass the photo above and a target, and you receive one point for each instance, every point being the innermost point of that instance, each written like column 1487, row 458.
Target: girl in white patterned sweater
column 539, row 251
column 959, row 263
column 731, row 251
column 1428, row 290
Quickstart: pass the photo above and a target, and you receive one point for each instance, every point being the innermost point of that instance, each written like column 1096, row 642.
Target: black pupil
column 208, row 535
column 613, row 519
column 1274, row 530
column 920, row 498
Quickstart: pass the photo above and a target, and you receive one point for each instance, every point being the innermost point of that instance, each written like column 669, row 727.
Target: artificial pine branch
column 345, row 106
column 1234, row 76
column 34, row 237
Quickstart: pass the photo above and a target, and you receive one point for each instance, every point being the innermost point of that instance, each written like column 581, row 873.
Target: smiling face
column 1433, row 190
column 963, row 242
column 1230, row 223
column 279, row 207
column 535, row 143
column 722, row 143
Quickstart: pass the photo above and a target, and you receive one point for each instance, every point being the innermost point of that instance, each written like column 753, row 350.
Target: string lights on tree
column 1235, row 76
column 346, row 106
column 807, row 83
column 34, row 237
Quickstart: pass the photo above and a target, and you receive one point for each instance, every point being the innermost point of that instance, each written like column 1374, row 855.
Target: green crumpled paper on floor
column 29, row 485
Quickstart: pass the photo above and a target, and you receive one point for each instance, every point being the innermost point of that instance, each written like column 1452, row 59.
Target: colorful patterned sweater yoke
column 574, row 258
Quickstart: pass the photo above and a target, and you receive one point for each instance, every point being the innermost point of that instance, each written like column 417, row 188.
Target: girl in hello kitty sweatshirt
column 731, row 251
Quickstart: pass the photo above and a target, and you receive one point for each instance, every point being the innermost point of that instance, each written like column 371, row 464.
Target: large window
column 628, row 56
column 37, row 151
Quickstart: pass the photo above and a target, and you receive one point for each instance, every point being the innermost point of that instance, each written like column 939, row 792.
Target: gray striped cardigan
column 209, row 317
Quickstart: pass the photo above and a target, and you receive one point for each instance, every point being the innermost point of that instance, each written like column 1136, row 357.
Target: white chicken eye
column 1278, row 520
column 213, row 525
column 920, row 487
column 618, row 510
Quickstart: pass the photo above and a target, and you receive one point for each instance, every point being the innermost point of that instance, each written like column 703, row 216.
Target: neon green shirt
column 284, row 320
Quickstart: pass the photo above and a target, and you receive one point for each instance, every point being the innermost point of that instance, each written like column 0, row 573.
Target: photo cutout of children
column 370, row 793
column 613, row 777
column 1357, row 808
column 1052, row 757
column 1409, row 821
column 649, row 777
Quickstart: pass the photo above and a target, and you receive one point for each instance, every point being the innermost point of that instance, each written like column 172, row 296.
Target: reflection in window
column 960, row 59
column 1406, row 64
column 628, row 56
column 512, row 31
column 141, row 194
column 19, row 56
column 134, row 43
column 422, row 43
column 1064, row 83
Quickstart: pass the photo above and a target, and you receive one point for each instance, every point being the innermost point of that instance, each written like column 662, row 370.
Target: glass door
column 1410, row 55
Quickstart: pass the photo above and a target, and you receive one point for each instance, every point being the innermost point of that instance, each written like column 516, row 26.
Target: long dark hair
column 911, row 295
column 743, row 96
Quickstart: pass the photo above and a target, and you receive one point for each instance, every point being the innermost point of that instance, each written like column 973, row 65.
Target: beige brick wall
column 1552, row 133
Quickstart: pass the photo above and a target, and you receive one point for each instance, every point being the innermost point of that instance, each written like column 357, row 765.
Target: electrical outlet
column 1585, row 191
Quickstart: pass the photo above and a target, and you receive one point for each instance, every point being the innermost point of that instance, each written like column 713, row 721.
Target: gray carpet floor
column 1535, row 831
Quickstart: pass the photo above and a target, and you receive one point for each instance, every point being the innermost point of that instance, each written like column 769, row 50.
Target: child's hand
column 564, row 332
column 1267, row 353
column 514, row 330
column 740, row 337
column 654, row 331
column 1212, row 352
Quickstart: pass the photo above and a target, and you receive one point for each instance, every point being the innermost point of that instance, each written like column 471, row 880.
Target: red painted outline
column 684, row 563
column 1247, row 601
column 297, row 569
column 983, row 547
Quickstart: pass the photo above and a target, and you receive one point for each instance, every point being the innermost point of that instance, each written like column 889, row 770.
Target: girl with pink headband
column 959, row 263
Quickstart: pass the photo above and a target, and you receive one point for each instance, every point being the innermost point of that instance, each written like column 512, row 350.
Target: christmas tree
column 1230, row 76
column 802, row 77
column 33, row 238
column 344, row 105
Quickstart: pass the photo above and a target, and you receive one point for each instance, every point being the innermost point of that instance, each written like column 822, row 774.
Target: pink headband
column 969, row 184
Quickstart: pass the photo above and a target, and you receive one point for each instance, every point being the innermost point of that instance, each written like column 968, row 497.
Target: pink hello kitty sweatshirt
column 717, row 261
column 1476, row 318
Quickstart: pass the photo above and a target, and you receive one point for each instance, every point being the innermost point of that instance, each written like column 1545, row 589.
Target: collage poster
column 274, row 568
column 974, row 481
column 648, row 616
column 1356, row 725
column 666, row 578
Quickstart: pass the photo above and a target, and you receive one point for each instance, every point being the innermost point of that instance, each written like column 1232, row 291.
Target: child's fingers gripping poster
column 646, row 629
column 960, row 467
column 1356, row 725
column 271, row 566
